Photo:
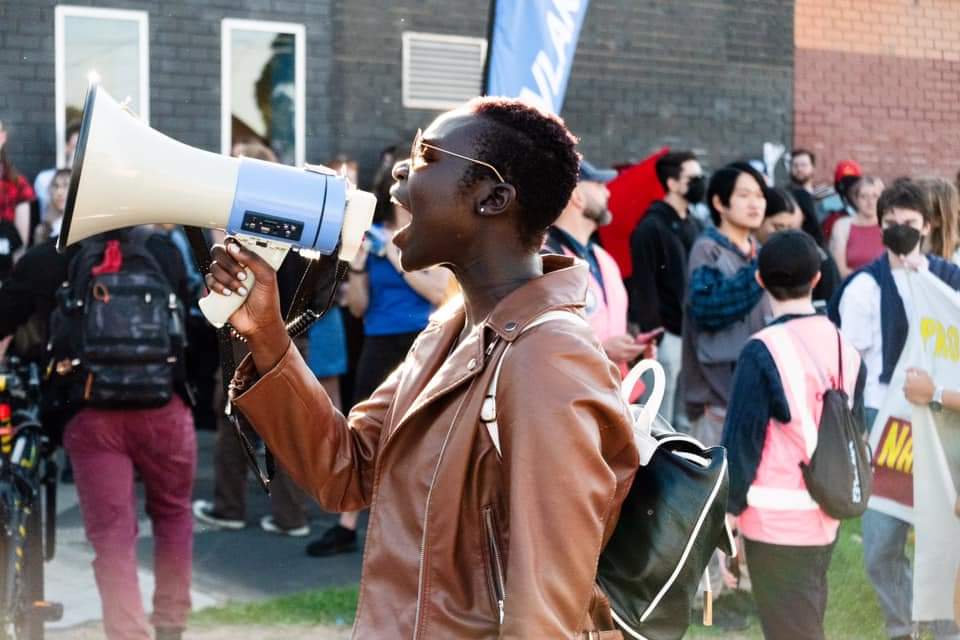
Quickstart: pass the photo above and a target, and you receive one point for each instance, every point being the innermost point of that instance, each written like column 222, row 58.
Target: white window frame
column 412, row 103
column 299, row 31
column 61, row 13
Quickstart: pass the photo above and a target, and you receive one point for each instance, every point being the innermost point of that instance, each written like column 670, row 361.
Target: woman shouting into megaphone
column 494, row 475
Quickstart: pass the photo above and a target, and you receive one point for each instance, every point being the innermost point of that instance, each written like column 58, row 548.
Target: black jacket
column 659, row 247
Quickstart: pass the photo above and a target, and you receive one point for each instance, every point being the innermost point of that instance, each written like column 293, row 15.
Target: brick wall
column 712, row 76
column 879, row 82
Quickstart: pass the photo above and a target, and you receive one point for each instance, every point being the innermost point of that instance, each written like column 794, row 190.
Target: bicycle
column 28, row 479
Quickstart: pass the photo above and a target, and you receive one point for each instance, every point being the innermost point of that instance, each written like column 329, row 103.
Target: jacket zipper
column 498, row 583
column 426, row 509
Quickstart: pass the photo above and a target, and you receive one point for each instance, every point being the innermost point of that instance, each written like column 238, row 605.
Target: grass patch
column 853, row 612
column 852, row 609
column 329, row 606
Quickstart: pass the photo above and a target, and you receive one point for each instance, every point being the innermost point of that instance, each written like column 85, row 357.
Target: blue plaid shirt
column 716, row 300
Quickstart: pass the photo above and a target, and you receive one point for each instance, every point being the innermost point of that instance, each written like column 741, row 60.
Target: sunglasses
column 416, row 155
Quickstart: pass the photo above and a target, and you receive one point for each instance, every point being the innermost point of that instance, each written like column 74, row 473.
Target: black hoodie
column 659, row 246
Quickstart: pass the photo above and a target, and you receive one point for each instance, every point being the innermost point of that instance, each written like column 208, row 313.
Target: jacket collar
column 563, row 285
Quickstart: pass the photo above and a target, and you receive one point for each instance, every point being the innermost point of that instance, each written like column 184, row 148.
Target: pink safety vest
column 779, row 509
column 607, row 317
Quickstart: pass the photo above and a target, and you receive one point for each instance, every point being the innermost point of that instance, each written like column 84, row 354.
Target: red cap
column 846, row 168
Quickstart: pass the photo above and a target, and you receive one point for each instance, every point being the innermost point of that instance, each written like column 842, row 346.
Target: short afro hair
column 535, row 152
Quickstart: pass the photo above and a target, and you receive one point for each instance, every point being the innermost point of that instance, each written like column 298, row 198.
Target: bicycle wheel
column 32, row 587
column 17, row 621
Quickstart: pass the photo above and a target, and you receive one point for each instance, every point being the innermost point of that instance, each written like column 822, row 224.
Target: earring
column 481, row 209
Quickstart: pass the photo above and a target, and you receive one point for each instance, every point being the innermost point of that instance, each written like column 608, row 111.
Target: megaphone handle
column 218, row 308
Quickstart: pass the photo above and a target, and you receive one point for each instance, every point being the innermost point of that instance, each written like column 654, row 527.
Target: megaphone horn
column 127, row 174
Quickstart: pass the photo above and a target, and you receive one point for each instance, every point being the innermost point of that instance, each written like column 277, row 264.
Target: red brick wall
column 878, row 81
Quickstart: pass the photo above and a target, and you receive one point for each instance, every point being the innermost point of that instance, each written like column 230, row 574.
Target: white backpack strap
column 488, row 412
column 652, row 406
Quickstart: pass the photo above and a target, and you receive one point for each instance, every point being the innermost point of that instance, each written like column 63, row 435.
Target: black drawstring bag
column 839, row 477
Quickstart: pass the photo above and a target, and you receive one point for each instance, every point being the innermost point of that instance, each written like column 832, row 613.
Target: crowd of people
column 740, row 288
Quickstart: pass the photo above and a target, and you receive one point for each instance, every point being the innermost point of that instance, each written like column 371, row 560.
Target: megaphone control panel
column 264, row 225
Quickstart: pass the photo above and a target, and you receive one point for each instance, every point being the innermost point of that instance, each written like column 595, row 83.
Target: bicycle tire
column 33, row 588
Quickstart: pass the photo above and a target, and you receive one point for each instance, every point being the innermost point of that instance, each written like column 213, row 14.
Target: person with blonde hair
column 855, row 241
column 943, row 200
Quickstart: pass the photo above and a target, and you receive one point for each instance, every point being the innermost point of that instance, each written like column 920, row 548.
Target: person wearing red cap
column 845, row 174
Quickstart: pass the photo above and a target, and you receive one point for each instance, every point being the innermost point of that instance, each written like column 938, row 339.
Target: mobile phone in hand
column 649, row 336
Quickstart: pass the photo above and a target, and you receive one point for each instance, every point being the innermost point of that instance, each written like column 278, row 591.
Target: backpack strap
column 488, row 412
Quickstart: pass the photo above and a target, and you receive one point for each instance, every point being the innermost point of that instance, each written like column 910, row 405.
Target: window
column 441, row 72
column 110, row 44
column 263, row 87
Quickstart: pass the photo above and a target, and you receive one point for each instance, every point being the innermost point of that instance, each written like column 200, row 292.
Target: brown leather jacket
column 455, row 530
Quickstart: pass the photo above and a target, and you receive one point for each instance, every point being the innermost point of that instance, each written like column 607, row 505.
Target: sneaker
column 268, row 525
column 334, row 540
column 203, row 512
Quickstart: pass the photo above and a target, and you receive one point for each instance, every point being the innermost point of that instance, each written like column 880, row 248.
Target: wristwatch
column 937, row 403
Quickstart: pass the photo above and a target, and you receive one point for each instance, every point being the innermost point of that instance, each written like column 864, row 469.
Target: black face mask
column 696, row 188
column 901, row 238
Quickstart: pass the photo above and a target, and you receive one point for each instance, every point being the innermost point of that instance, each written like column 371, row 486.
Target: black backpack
column 839, row 475
column 670, row 523
column 116, row 340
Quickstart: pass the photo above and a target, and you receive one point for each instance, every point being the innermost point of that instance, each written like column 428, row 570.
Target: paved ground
column 238, row 566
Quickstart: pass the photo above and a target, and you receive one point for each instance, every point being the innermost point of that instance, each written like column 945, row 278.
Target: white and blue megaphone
column 126, row 174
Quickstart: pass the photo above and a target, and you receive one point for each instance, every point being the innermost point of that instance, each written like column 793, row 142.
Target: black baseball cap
column 789, row 259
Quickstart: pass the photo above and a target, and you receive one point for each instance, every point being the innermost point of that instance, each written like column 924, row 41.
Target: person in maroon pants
column 107, row 446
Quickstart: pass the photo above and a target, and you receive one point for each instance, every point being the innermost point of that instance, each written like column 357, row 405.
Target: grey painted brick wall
column 715, row 75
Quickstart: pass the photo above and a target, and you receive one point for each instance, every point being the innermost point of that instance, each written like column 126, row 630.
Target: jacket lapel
column 437, row 370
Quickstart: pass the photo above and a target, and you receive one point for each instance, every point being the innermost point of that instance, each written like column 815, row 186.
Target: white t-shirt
column 860, row 324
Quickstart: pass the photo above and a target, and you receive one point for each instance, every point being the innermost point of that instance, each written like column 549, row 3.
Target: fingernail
column 242, row 275
column 227, row 292
column 233, row 247
column 242, row 291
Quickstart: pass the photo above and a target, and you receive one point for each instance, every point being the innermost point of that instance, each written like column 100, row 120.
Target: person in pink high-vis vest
column 572, row 235
column 771, row 428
